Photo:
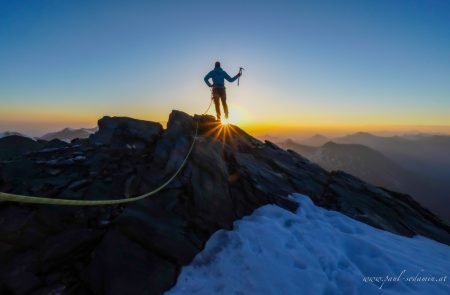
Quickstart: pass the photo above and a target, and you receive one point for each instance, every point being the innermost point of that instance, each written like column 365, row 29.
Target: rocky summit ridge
column 139, row 248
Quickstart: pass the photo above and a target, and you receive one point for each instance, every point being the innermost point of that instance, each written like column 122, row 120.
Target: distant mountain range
column 358, row 160
column 428, row 153
column 67, row 134
column 315, row 140
column 9, row 133
column 415, row 164
column 13, row 143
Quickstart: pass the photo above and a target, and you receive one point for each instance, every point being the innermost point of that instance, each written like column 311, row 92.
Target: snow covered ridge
column 315, row 251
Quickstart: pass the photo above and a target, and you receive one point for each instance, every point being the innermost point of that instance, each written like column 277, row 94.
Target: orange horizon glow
column 48, row 122
column 52, row 119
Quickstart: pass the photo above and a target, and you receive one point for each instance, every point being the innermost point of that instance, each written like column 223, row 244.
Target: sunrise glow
column 80, row 63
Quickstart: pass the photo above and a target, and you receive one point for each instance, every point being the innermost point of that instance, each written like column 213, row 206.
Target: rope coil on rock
column 59, row 201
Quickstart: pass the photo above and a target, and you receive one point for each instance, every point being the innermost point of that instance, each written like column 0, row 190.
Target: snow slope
column 314, row 251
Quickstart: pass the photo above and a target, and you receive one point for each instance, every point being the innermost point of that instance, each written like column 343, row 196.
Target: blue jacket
column 218, row 77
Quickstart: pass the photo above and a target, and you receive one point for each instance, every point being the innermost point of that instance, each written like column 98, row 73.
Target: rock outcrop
column 139, row 248
column 15, row 145
column 122, row 131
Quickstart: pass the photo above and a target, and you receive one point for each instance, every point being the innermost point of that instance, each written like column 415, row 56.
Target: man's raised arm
column 229, row 79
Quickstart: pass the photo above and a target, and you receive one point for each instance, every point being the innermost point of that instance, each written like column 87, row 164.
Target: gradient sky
column 318, row 66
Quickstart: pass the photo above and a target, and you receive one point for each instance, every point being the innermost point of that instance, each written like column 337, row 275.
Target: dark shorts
column 219, row 92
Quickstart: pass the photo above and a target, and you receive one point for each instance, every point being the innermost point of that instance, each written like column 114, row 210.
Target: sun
column 237, row 115
column 226, row 121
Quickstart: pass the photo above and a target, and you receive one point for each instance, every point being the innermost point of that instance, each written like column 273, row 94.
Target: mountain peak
column 315, row 140
column 330, row 144
column 227, row 176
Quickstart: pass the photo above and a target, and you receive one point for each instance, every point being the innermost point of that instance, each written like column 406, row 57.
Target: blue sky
column 308, row 63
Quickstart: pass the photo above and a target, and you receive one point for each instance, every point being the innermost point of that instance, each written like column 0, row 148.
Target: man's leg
column 223, row 98
column 217, row 105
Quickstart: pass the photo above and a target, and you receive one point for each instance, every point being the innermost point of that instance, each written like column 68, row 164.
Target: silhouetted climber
column 218, row 76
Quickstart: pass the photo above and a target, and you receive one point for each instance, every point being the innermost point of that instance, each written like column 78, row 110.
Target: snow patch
column 315, row 251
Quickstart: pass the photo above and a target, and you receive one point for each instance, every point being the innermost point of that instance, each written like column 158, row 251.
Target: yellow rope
column 58, row 201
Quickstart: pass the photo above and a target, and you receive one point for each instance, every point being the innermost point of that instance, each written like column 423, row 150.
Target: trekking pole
column 240, row 72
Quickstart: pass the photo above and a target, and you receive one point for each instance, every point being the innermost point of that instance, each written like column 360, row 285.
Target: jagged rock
column 54, row 172
column 56, row 144
column 14, row 146
column 49, row 150
column 153, row 224
column 79, row 142
column 13, row 219
column 76, row 185
column 79, row 159
column 121, row 266
column 138, row 248
column 65, row 247
column 22, row 283
column 60, row 162
column 121, row 131
column 209, row 184
column 171, row 142
column 363, row 202
column 16, row 175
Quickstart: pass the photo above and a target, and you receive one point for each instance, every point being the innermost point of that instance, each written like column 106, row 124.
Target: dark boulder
column 14, row 145
column 65, row 247
column 56, row 144
column 121, row 266
column 21, row 283
column 123, row 131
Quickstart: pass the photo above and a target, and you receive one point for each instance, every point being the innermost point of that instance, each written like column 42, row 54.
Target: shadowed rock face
column 138, row 248
column 14, row 145
column 122, row 131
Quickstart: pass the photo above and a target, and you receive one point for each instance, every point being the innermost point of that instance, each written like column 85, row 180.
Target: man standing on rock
column 218, row 76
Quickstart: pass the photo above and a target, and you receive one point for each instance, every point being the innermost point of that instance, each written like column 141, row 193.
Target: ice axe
column 240, row 72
